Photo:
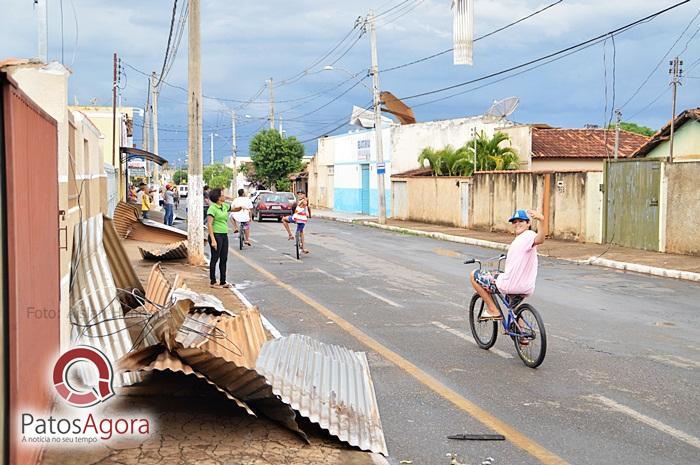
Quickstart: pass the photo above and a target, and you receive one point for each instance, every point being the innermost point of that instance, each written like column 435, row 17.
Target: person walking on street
column 241, row 207
column 169, row 205
column 217, row 226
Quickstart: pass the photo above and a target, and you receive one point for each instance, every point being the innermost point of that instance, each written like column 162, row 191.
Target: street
column 618, row 385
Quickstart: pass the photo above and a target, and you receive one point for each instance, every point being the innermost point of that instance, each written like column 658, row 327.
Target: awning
column 127, row 153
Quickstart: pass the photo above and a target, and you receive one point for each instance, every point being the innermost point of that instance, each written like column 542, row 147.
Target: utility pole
column 676, row 72
column 114, row 115
column 281, row 130
column 42, row 30
column 211, row 148
column 377, row 119
column 195, row 214
column 272, row 104
column 233, row 153
column 154, row 116
column 618, row 118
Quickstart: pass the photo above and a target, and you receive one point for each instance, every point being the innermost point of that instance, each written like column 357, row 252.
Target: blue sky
column 244, row 43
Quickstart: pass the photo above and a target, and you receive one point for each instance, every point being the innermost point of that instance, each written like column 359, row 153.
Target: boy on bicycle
column 521, row 265
column 301, row 216
column 241, row 208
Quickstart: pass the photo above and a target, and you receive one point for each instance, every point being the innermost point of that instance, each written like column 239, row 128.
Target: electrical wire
column 383, row 22
column 167, row 47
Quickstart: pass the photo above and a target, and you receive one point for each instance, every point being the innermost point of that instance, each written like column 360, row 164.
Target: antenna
column 500, row 109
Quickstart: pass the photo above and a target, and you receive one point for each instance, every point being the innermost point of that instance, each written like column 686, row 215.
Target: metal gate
column 112, row 189
column 632, row 189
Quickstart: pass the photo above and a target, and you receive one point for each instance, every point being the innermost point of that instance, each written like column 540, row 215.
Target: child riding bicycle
column 301, row 216
column 521, row 265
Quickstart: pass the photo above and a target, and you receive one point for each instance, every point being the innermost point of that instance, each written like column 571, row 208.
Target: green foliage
column 283, row 185
column 460, row 162
column 634, row 127
column 180, row 177
column 218, row 175
column 275, row 157
column 248, row 169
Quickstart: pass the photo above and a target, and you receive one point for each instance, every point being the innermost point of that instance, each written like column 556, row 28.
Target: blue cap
column 519, row 215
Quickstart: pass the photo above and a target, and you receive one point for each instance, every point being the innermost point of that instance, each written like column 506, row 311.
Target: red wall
column 31, row 164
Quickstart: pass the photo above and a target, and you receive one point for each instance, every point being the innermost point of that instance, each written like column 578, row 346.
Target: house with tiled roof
column 686, row 139
column 544, row 148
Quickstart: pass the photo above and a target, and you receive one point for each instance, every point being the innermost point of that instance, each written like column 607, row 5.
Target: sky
column 245, row 43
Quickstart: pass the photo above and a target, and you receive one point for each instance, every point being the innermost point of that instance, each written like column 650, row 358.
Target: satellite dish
column 502, row 108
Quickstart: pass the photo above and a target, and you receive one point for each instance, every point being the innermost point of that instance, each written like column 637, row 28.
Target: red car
column 273, row 205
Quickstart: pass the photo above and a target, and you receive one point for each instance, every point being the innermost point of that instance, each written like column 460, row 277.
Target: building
column 342, row 175
column 544, row 148
column 686, row 139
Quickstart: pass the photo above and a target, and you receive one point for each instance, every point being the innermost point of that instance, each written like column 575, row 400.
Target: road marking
column 656, row 424
column 461, row 307
column 319, row 270
column 468, row 338
column 487, row 419
column 253, row 241
column 676, row 361
column 269, row 248
column 377, row 296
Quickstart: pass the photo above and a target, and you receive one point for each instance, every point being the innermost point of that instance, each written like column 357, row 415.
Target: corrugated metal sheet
column 168, row 252
column 96, row 314
column 328, row 384
column 202, row 302
column 125, row 216
column 122, row 271
column 157, row 358
column 151, row 231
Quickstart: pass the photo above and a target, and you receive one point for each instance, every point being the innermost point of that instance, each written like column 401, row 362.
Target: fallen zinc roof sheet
column 96, row 315
column 328, row 384
column 122, row 270
column 169, row 252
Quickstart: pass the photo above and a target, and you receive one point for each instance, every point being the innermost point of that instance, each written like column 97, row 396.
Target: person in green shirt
column 217, row 224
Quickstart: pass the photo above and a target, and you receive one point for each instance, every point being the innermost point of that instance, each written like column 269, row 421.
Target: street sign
column 381, row 168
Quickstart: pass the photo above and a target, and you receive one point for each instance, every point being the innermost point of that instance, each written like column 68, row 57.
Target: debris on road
column 174, row 251
column 478, row 437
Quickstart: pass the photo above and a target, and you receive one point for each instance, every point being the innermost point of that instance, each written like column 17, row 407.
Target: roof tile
column 583, row 143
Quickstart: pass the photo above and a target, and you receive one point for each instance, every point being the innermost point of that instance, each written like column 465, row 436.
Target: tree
column 248, row 170
column 218, row 175
column 180, row 177
column 633, row 127
column 275, row 157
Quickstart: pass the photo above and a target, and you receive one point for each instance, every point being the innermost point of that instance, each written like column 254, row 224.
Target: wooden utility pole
column 377, row 119
column 272, row 104
column 195, row 214
column 676, row 72
column 154, row 116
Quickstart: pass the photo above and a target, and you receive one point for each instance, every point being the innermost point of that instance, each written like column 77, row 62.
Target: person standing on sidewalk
column 145, row 200
column 169, row 205
column 217, row 225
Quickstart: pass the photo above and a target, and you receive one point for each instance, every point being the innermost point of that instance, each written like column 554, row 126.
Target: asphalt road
column 619, row 384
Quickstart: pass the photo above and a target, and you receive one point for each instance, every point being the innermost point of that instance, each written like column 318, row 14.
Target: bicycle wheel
column 533, row 335
column 484, row 332
column 297, row 243
column 241, row 234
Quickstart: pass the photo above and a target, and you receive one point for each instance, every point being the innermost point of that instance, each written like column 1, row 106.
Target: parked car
column 182, row 190
column 255, row 194
column 273, row 205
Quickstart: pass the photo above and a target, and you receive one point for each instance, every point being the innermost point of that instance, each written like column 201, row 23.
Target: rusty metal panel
column 632, row 191
column 96, row 315
column 169, row 252
column 30, row 162
column 125, row 216
column 150, row 231
column 328, row 384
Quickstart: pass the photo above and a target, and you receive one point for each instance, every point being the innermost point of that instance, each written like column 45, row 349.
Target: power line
column 167, row 47
column 401, row 13
column 328, row 131
column 551, row 55
column 496, row 31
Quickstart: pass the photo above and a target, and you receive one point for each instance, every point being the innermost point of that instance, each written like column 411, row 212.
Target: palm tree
column 433, row 158
column 490, row 155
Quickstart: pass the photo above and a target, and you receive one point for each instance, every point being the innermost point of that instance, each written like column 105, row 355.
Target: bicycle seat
column 513, row 300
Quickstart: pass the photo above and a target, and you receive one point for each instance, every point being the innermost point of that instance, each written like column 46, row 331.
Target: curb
column 266, row 323
column 325, row 216
column 595, row 261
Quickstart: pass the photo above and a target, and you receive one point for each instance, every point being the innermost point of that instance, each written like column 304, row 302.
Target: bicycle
column 241, row 236
column 297, row 242
column 529, row 336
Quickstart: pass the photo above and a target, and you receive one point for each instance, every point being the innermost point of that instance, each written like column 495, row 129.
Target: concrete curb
column 326, row 216
column 266, row 323
column 596, row 261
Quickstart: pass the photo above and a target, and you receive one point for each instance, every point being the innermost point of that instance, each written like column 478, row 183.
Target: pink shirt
column 521, row 266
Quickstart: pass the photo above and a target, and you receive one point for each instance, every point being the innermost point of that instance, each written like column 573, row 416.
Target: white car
column 182, row 190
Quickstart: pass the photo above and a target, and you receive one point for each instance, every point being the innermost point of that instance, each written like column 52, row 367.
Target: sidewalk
column 611, row 256
column 194, row 424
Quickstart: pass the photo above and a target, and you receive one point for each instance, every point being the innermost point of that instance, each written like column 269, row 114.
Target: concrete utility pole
column 154, row 116
column 195, row 214
column 676, row 72
column 377, row 119
column 114, row 115
column 211, row 148
column 233, row 153
column 272, row 104
column 618, row 118
column 42, row 30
